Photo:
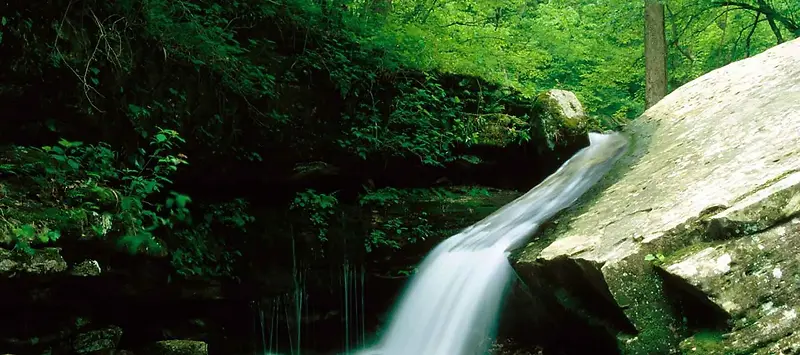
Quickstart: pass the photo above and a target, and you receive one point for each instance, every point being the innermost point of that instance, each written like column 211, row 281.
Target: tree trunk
column 655, row 53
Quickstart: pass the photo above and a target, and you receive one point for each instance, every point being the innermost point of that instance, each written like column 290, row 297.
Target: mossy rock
column 178, row 347
column 561, row 117
column 97, row 340
column 37, row 262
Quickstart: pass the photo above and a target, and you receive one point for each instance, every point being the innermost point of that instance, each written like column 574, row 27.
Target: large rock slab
column 716, row 158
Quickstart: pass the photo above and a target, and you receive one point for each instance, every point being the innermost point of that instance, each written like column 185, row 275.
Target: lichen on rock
column 86, row 268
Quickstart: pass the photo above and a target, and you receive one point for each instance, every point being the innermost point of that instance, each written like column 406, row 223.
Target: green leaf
column 73, row 164
column 27, row 231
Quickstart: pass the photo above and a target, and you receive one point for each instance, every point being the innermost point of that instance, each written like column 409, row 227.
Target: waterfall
column 450, row 306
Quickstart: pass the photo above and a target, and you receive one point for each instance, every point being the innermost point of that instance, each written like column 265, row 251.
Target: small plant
column 655, row 258
column 148, row 176
column 27, row 234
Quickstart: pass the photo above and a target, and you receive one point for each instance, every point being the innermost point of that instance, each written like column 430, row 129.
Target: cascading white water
column 450, row 306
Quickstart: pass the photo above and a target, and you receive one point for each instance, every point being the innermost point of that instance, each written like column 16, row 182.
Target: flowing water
column 450, row 307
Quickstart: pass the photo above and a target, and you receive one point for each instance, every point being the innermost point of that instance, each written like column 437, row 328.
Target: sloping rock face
column 713, row 165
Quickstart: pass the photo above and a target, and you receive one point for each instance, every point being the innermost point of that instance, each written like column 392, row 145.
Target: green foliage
column 27, row 234
column 290, row 81
column 575, row 45
column 705, row 35
column 88, row 181
column 318, row 208
column 399, row 218
column 594, row 48
column 199, row 33
column 425, row 121
column 202, row 252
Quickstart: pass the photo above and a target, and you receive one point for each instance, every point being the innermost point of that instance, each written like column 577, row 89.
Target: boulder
column 561, row 117
column 717, row 158
column 557, row 116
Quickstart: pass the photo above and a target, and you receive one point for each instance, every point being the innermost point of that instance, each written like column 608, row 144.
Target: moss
column 179, row 347
column 639, row 291
column 97, row 340
column 706, row 342
column 678, row 255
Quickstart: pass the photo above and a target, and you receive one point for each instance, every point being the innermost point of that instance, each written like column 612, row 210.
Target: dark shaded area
column 699, row 313
column 39, row 314
column 534, row 316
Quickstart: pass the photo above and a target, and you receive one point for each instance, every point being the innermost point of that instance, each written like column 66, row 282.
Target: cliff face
column 681, row 240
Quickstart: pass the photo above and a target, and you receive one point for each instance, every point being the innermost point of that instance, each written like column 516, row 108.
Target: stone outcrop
column 705, row 192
